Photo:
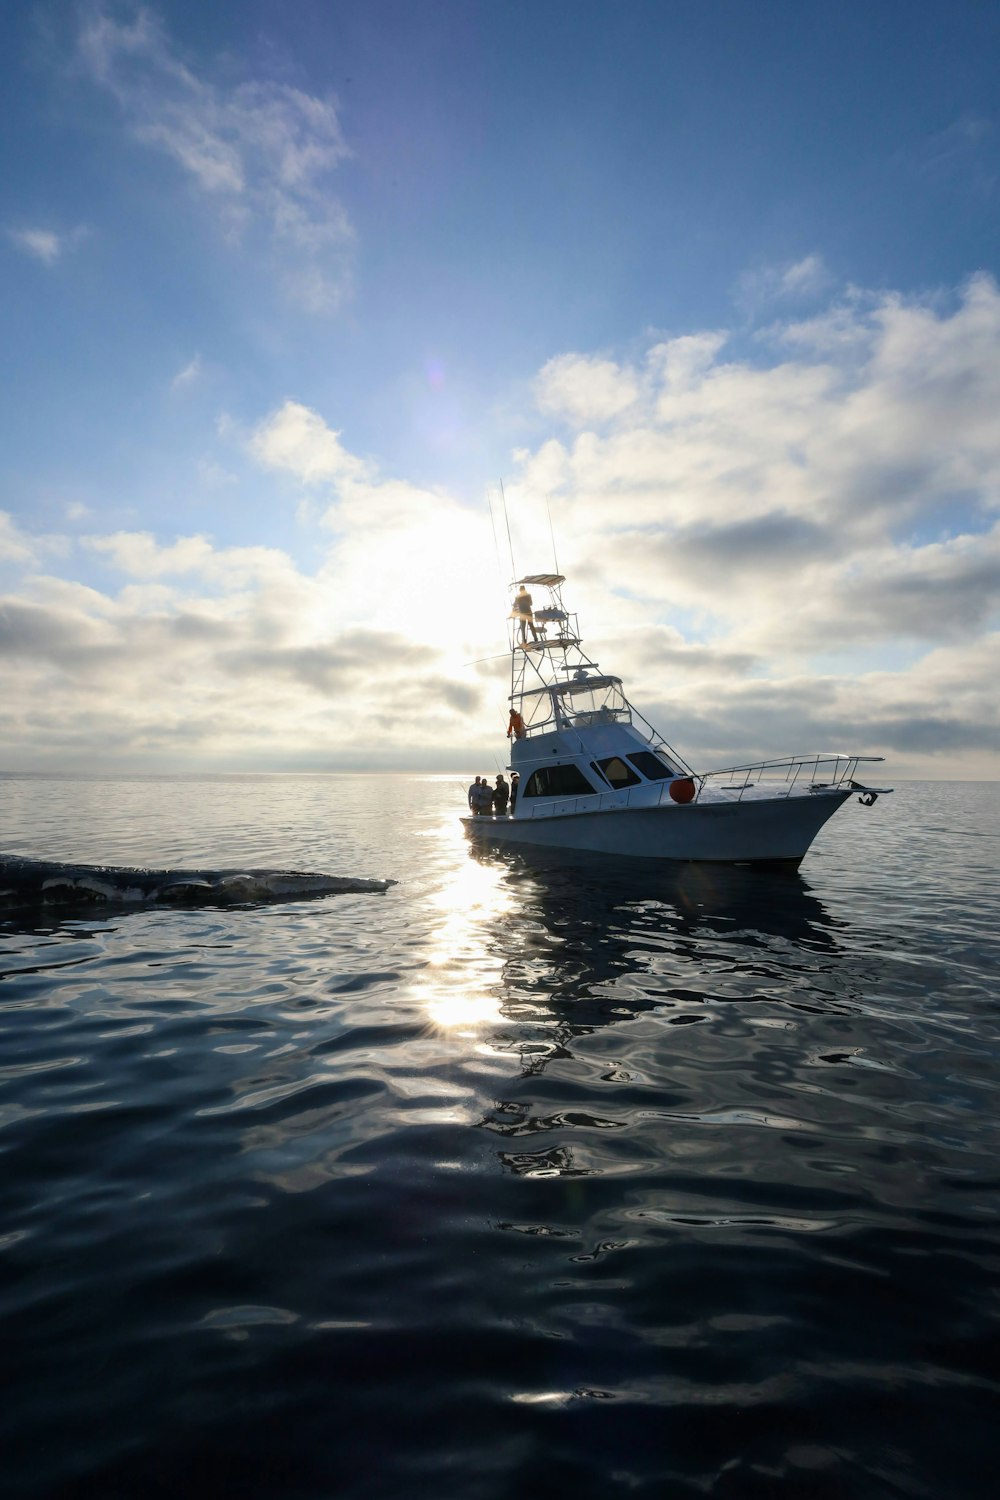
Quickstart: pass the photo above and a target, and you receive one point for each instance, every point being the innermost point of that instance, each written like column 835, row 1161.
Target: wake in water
column 36, row 882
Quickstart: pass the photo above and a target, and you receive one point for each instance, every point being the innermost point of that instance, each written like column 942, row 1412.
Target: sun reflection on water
column 462, row 989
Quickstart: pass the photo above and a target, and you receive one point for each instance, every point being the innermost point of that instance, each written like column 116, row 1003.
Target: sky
column 288, row 291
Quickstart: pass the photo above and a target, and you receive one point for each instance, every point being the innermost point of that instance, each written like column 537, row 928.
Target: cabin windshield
column 603, row 702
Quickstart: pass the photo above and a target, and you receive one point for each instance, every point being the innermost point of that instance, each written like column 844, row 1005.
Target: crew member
column 523, row 613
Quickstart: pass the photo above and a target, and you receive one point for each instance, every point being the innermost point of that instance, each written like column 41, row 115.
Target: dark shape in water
column 37, row 882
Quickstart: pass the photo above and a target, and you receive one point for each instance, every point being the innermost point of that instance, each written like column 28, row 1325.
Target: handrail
column 794, row 760
column 842, row 768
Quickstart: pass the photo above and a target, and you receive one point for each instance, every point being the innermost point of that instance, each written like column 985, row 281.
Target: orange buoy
column 682, row 789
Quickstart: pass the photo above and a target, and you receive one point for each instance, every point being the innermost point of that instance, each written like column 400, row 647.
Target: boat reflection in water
column 564, row 943
column 598, row 978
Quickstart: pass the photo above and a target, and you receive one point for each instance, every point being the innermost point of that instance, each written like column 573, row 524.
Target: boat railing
column 588, row 802
column 794, row 774
column 656, row 740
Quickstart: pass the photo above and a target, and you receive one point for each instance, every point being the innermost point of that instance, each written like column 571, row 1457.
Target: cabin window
column 557, row 781
column 652, row 766
column 617, row 772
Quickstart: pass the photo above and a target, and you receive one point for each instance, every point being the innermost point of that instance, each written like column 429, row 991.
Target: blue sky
column 286, row 288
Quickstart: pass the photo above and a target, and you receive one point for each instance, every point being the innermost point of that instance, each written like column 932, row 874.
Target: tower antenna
column 506, row 517
column 548, row 512
column 493, row 527
column 496, row 542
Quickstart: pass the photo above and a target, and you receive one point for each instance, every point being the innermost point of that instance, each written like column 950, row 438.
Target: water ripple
column 535, row 1179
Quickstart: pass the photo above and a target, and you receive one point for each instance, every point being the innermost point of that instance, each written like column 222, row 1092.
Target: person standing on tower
column 523, row 613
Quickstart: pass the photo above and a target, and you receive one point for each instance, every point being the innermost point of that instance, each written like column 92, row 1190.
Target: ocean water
column 523, row 1179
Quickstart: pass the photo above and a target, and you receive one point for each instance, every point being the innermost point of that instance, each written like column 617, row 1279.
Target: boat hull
column 776, row 830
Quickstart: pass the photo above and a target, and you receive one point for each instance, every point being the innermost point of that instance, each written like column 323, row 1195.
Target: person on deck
column 515, row 782
column 501, row 793
column 523, row 613
column 482, row 798
column 473, row 794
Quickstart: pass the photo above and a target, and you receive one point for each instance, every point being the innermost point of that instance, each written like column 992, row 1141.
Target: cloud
column 262, row 675
column 804, row 278
column 260, row 151
column 893, row 419
column 191, row 559
column 188, row 374
column 584, row 389
column 681, row 363
column 297, row 440
column 793, row 552
column 330, row 668
column 956, row 153
column 139, row 554
column 46, row 245
column 15, row 546
column 199, row 654
column 794, row 281
column 834, row 504
column 393, row 538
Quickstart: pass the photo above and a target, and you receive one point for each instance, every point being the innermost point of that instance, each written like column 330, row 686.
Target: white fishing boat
column 595, row 775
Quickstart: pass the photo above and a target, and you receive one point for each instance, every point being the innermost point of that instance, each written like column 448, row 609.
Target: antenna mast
column 548, row 512
column 510, row 544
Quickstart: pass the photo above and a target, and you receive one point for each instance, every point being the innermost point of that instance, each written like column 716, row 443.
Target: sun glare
column 463, row 986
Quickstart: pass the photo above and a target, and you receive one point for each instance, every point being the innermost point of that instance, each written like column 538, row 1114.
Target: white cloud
column 43, row 244
column 835, row 505
column 682, row 363
column 785, row 555
column 195, row 653
column 584, row 389
column 298, row 441
column 793, row 282
column 231, row 657
column 46, row 245
column 394, row 539
column 804, row 278
column 957, row 153
column 188, row 374
column 14, row 545
column 260, row 151
column 213, row 476
column 194, row 558
column 138, row 553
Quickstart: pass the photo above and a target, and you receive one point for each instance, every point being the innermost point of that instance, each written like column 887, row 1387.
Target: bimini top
column 544, row 580
column 575, row 685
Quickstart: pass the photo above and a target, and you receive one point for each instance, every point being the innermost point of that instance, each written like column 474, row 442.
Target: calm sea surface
column 518, row 1180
